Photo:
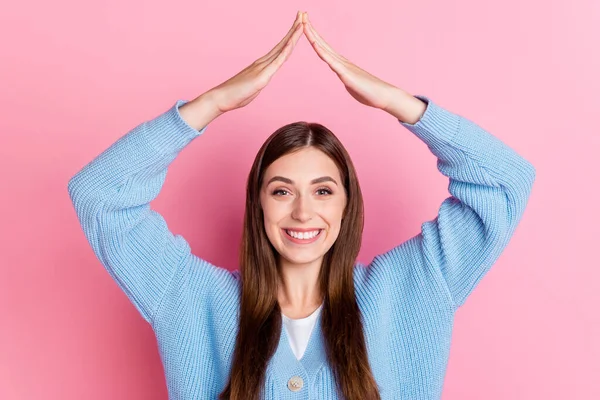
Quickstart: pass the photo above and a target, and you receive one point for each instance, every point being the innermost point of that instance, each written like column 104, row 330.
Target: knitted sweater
column 408, row 295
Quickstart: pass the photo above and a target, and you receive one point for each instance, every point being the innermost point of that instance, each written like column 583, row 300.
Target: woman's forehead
column 303, row 166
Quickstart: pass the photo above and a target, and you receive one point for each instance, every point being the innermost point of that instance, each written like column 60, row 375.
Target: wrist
column 201, row 111
column 406, row 107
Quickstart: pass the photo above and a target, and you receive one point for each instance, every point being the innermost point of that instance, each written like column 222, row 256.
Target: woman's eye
column 321, row 191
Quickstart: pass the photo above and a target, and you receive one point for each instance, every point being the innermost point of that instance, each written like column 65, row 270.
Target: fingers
column 322, row 49
column 313, row 36
column 333, row 62
column 293, row 40
column 277, row 49
column 284, row 54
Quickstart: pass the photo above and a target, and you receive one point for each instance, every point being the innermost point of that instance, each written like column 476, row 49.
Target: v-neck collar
column 284, row 363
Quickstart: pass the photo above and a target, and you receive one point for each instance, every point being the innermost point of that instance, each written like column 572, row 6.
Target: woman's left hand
column 363, row 86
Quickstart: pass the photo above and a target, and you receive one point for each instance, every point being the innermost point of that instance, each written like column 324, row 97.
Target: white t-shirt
column 299, row 330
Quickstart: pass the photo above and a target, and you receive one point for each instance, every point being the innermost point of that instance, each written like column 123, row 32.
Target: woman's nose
column 302, row 209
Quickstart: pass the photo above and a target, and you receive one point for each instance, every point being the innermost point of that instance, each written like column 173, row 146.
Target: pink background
column 75, row 76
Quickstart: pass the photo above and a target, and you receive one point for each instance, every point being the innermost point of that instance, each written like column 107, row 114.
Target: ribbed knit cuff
column 437, row 126
column 169, row 132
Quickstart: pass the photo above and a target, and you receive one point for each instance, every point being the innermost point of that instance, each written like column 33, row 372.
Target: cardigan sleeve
column 489, row 185
column 111, row 196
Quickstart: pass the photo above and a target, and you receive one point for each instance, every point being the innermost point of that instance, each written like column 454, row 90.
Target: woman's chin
column 301, row 257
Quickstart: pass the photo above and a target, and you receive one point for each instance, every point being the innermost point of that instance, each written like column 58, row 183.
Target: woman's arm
column 489, row 185
column 489, row 182
column 112, row 193
column 111, row 196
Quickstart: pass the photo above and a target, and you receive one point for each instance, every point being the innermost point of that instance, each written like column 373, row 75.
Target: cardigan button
column 295, row 383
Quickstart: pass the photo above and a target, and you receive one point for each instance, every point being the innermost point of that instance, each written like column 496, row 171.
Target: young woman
column 301, row 319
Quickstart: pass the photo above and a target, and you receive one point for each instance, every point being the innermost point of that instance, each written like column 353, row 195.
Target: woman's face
column 302, row 195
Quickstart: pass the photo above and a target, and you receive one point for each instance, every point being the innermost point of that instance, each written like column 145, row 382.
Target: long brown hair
column 260, row 314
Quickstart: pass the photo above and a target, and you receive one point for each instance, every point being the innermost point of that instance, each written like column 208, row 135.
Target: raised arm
column 489, row 182
column 489, row 185
column 112, row 194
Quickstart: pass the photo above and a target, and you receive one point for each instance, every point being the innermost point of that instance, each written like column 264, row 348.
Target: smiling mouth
column 300, row 240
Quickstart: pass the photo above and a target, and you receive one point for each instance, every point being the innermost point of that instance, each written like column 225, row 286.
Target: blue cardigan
column 408, row 295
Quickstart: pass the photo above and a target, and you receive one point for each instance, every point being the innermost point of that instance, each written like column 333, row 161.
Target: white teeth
column 303, row 235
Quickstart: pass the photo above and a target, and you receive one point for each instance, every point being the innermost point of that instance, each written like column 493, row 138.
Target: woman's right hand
column 240, row 90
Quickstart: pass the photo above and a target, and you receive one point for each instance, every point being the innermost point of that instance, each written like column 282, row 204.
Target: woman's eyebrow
column 290, row 182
